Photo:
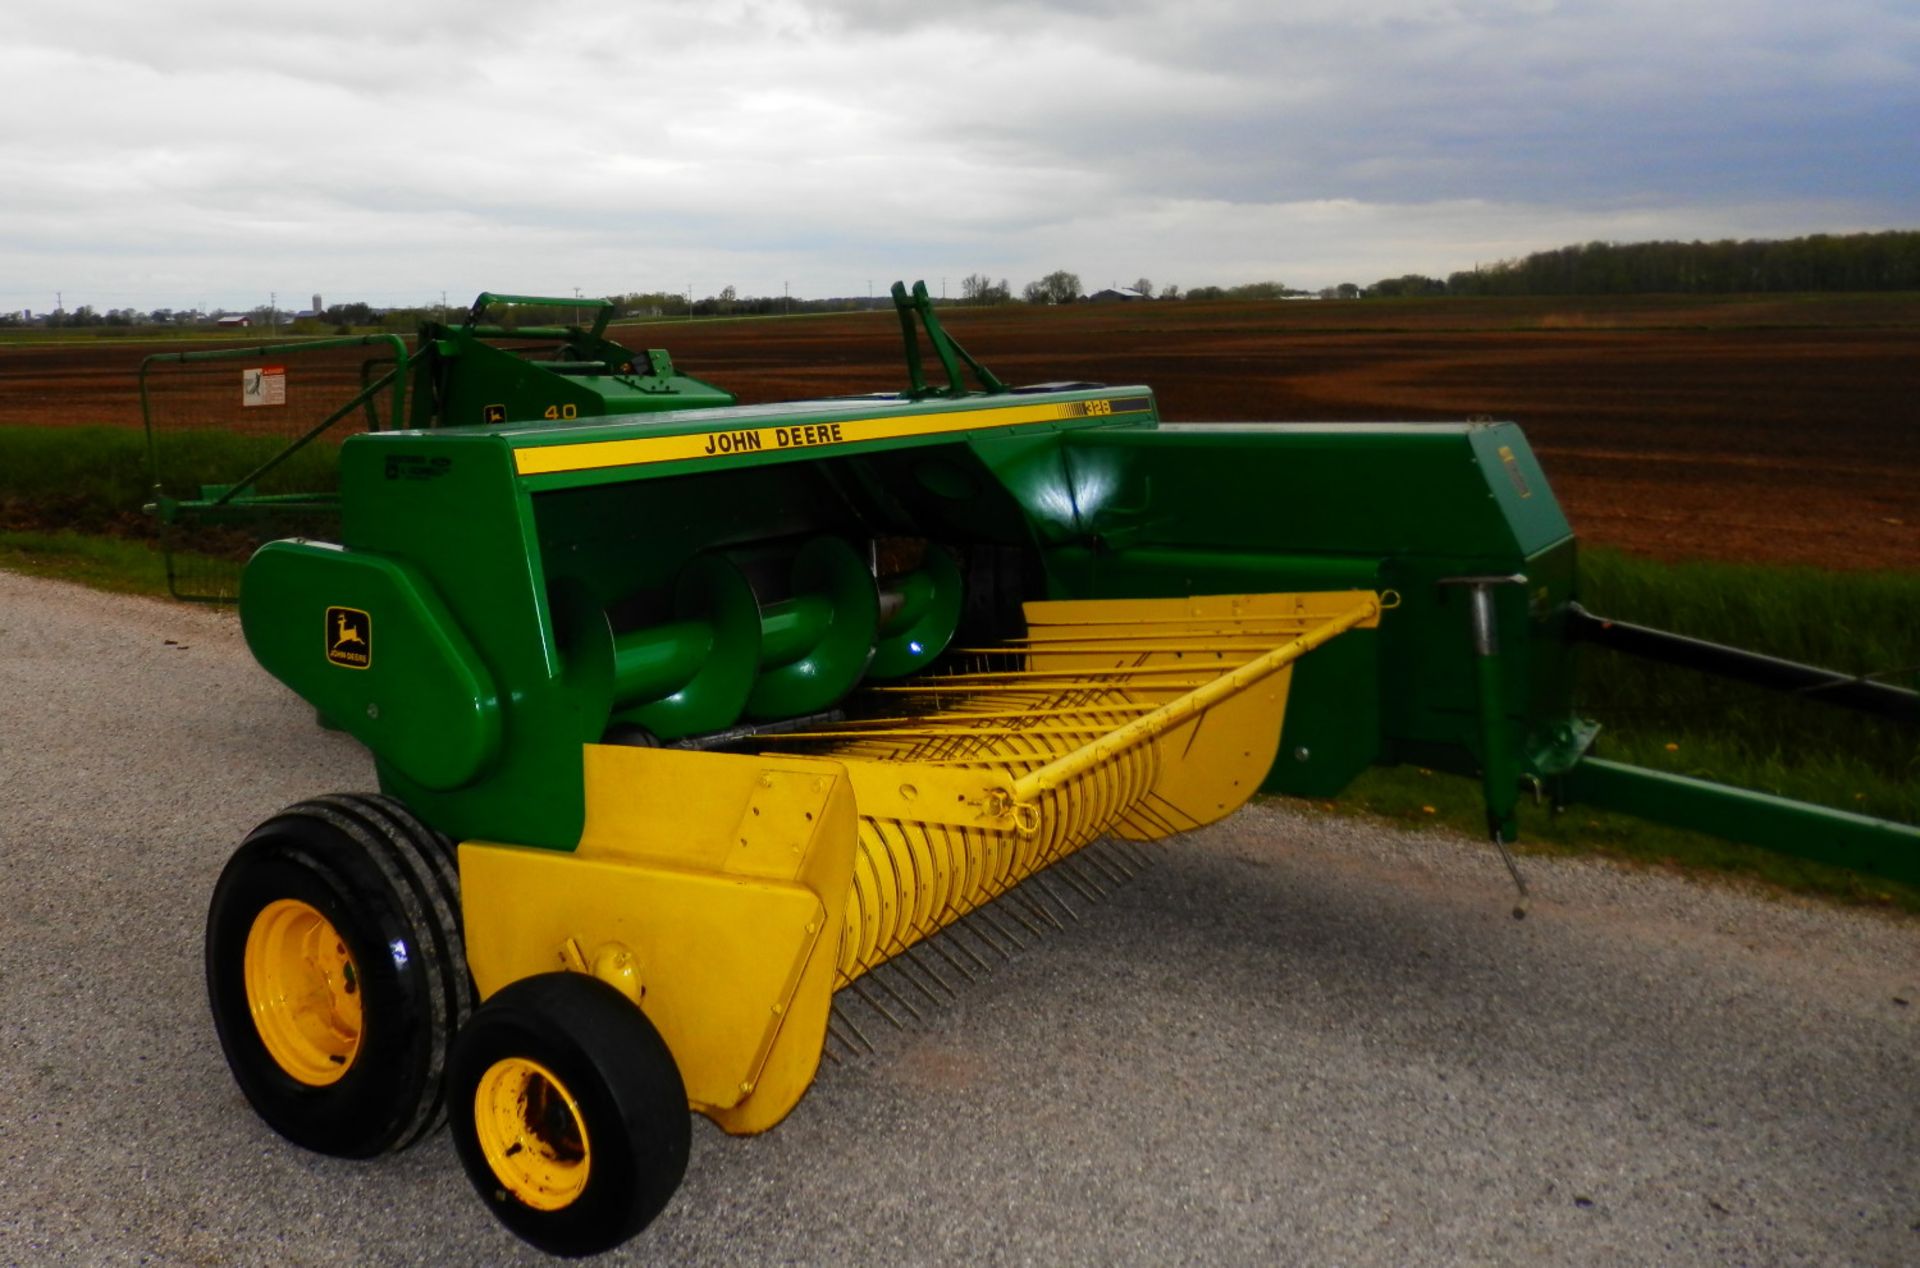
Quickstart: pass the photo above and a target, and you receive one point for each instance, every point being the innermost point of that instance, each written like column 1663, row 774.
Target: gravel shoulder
column 1296, row 1038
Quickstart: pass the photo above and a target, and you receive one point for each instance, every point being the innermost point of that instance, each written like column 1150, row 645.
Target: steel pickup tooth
column 918, row 976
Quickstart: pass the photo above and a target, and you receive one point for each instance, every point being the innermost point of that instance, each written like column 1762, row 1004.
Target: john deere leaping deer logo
column 349, row 638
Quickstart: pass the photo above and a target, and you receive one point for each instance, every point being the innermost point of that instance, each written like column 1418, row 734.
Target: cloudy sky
column 207, row 153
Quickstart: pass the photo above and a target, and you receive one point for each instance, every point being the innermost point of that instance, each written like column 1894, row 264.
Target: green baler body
column 533, row 567
column 471, row 565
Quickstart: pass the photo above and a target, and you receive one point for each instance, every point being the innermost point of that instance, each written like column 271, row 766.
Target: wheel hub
column 303, row 990
column 531, row 1130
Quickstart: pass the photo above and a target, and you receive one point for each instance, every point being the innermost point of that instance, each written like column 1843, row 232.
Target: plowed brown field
column 1775, row 430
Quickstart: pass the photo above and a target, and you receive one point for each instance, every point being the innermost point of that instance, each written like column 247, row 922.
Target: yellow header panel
column 594, row 455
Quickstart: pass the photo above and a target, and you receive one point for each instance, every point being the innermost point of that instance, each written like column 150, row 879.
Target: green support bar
column 1834, row 837
column 910, row 333
column 918, row 306
column 603, row 309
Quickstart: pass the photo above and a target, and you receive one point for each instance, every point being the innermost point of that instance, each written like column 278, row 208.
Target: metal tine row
column 1012, row 922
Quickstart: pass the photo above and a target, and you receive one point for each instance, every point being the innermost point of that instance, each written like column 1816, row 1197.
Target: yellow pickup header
column 594, row 455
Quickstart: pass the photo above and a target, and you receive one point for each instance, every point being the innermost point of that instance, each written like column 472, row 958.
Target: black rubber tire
column 632, row 1102
column 390, row 886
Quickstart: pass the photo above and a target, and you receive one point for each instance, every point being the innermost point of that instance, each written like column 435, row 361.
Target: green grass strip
column 1688, row 722
column 1411, row 797
column 120, row 564
column 97, row 478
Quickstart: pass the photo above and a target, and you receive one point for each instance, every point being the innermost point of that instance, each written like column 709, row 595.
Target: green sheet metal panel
column 1223, row 508
column 449, row 505
column 474, row 383
column 369, row 643
column 1366, row 489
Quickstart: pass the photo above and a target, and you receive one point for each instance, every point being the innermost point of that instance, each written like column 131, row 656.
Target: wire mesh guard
column 243, row 446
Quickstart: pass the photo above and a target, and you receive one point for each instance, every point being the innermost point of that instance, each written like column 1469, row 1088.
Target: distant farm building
column 1119, row 295
column 233, row 319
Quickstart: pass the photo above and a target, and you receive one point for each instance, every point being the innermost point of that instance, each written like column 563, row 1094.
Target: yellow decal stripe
column 596, row 454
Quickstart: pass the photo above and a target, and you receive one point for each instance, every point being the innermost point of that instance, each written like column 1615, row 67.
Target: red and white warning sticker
column 264, row 385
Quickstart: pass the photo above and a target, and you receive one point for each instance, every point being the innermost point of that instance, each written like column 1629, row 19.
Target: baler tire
column 360, row 882
column 570, row 1115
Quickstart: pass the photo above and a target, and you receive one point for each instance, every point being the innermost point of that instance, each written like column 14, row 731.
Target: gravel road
column 1297, row 1038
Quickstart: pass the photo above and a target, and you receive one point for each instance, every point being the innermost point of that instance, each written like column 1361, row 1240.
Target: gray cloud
column 208, row 151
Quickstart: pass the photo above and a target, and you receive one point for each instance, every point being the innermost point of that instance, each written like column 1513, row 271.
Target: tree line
column 1888, row 261
column 1882, row 261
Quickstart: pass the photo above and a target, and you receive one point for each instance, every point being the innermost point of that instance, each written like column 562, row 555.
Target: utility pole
column 273, row 304
column 576, row 305
column 59, row 302
column 689, row 301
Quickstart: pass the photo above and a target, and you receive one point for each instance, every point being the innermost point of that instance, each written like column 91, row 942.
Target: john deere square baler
column 692, row 718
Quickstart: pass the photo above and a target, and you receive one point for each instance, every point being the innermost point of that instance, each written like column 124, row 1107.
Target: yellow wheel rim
column 303, row 989
column 532, row 1133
